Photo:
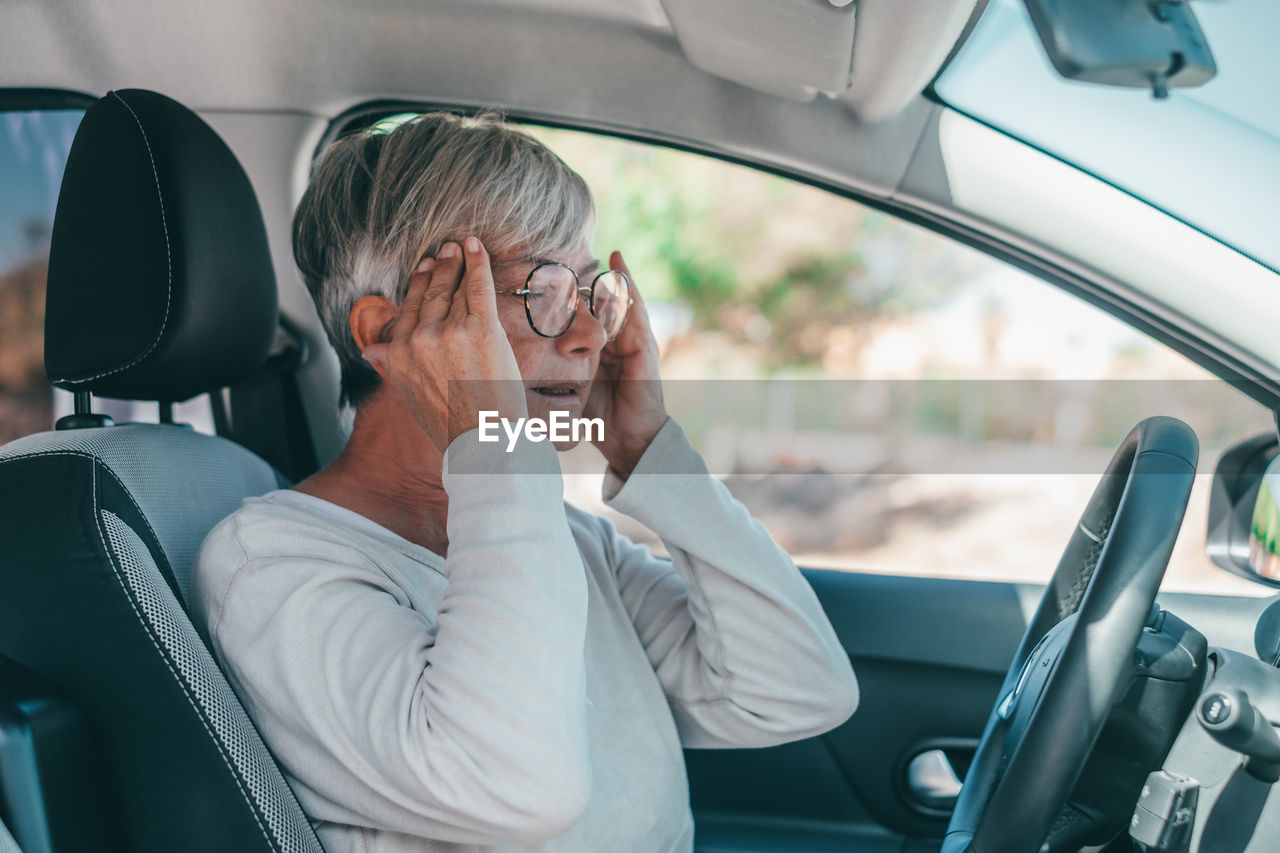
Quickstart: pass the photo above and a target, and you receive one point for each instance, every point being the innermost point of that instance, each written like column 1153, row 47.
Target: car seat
column 160, row 288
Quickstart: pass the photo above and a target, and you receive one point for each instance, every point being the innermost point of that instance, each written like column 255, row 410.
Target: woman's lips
column 563, row 393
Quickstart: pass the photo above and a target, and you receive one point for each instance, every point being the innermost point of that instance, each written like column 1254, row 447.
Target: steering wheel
column 1078, row 652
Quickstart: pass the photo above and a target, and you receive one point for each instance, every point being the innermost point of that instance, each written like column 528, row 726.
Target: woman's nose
column 585, row 336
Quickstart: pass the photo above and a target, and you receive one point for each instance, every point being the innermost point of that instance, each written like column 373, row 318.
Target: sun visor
column 798, row 48
column 791, row 48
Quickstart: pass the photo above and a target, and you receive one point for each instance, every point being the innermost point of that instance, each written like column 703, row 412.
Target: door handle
column 932, row 781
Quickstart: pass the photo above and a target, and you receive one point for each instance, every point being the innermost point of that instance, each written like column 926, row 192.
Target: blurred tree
column 782, row 268
column 26, row 399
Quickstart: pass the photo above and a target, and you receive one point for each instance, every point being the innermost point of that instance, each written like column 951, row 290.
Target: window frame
column 48, row 100
column 1162, row 327
column 1263, row 389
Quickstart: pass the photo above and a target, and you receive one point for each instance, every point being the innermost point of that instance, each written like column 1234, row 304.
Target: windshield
column 1209, row 156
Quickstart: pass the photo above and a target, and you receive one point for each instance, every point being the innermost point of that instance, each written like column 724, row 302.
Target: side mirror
column 1244, row 511
column 1264, row 533
column 1146, row 44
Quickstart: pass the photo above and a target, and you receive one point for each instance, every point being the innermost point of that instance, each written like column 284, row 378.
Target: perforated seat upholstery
column 160, row 288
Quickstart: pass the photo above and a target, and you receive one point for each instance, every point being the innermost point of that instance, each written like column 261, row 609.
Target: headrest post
column 84, row 418
column 221, row 421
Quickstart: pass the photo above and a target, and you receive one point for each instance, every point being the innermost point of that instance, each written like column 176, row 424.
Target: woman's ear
column 370, row 320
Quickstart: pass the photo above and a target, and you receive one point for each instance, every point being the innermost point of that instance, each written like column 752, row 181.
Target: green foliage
column 753, row 256
column 779, row 268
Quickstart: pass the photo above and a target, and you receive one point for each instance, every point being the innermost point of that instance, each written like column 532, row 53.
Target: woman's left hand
column 627, row 391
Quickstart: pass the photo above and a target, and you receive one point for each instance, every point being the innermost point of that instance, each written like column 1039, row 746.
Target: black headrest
column 160, row 279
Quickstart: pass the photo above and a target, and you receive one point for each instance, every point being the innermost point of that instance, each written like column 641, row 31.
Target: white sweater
column 533, row 690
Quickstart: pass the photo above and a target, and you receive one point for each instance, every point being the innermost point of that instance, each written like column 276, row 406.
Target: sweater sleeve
column 470, row 729
column 736, row 635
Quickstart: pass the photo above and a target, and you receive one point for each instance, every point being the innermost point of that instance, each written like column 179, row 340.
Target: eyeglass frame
column 591, row 297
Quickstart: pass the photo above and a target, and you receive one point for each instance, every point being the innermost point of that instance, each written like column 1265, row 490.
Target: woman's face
column 558, row 371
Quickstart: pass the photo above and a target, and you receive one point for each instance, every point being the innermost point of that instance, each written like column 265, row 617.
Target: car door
column 920, row 426
column 930, row 654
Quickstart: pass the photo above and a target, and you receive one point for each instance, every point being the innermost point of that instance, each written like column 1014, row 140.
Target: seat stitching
column 127, row 493
column 164, row 223
column 186, row 692
column 149, row 629
column 155, row 536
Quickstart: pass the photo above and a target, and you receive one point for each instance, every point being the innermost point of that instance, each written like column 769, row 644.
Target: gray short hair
column 378, row 201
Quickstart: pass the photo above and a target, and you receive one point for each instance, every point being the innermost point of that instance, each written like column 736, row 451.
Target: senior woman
column 440, row 653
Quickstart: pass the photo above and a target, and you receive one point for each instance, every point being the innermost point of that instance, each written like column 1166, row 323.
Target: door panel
column 930, row 655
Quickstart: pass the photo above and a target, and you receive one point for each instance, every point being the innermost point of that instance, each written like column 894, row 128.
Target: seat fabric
column 101, row 527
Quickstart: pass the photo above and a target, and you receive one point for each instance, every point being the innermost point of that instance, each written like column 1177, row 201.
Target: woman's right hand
column 445, row 349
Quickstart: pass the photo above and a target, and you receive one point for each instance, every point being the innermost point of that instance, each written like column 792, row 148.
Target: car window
column 34, row 144
column 883, row 398
column 33, row 153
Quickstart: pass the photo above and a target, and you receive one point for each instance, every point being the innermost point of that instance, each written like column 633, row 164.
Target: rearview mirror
column 1244, row 513
column 1264, row 533
column 1147, row 44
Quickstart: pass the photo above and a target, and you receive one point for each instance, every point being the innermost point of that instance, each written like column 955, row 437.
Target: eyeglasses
column 551, row 296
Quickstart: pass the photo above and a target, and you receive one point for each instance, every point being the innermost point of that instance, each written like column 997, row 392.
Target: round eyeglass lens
column 552, row 299
column 610, row 300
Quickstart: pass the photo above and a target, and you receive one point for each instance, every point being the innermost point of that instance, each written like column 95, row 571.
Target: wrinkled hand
column 627, row 391
column 445, row 350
